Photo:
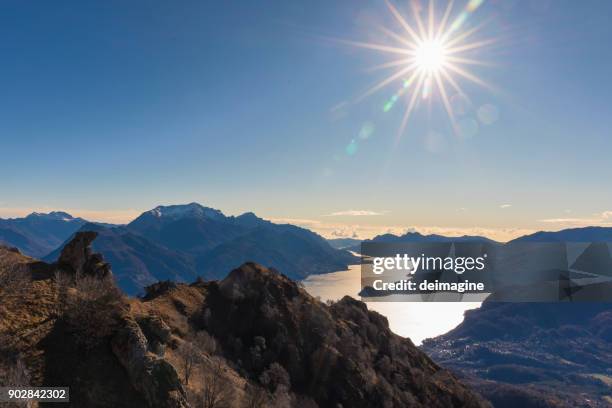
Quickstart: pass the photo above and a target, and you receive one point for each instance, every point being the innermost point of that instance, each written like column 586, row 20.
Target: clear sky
column 110, row 108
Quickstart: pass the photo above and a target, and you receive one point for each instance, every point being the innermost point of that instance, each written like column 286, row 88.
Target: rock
column 154, row 377
column 155, row 329
column 157, row 289
column 78, row 258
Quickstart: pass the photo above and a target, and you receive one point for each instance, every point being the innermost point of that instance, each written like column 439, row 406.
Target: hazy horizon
column 327, row 230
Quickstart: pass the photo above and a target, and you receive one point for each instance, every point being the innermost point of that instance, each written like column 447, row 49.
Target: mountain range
column 416, row 237
column 181, row 242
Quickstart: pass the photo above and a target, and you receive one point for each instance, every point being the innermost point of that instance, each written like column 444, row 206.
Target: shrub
column 92, row 309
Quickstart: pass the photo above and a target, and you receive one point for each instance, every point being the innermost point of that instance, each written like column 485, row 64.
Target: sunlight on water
column 416, row 320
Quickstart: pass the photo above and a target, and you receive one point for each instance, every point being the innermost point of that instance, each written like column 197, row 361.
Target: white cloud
column 599, row 219
column 570, row 220
column 503, row 206
column 354, row 213
column 302, row 222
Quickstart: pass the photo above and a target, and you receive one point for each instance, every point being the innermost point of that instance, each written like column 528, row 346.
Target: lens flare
column 434, row 57
column 430, row 56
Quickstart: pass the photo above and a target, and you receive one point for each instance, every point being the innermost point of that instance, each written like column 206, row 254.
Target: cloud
column 354, row 213
column 599, row 219
column 569, row 220
column 295, row 221
column 503, row 206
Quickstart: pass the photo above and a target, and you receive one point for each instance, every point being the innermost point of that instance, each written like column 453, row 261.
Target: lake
column 416, row 320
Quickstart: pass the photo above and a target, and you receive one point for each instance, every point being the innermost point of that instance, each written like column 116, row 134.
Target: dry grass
column 172, row 308
column 28, row 311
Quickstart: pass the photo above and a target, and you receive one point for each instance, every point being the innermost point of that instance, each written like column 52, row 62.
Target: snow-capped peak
column 186, row 210
column 53, row 215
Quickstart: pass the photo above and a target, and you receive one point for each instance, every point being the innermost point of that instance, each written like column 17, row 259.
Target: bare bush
column 92, row 308
column 14, row 373
column 15, row 279
column 205, row 342
column 62, row 282
column 275, row 376
column 255, row 397
column 282, row 397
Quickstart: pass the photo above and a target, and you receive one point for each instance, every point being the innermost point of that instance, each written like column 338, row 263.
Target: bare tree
column 255, row 397
column 189, row 357
column 216, row 390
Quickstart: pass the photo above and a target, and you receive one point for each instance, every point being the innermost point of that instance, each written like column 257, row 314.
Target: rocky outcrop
column 80, row 333
column 78, row 258
column 154, row 377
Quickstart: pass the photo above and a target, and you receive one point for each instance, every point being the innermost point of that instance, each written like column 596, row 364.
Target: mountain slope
column 78, row 332
column 295, row 251
column 252, row 339
column 338, row 355
column 344, row 243
column 533, row 354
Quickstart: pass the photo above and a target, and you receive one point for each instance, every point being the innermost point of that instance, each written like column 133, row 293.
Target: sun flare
column 435, row 53
column 430, row 56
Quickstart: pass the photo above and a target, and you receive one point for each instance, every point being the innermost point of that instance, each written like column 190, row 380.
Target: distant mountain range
column 38, row 234
column 181, row 242
column 585, row 234
column 416, row 237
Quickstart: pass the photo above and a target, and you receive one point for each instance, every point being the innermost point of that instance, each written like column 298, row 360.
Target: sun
column 430, row 56
column 434, row 54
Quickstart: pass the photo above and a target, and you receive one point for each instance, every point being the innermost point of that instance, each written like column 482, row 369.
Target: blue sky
column 111, row 108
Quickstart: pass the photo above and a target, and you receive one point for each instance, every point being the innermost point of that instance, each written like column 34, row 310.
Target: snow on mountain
column 192, row 210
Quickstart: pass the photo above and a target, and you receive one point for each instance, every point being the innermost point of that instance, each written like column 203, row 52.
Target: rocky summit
column 253, row 339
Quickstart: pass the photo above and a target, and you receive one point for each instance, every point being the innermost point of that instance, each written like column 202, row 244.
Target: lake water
column 416, row 320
